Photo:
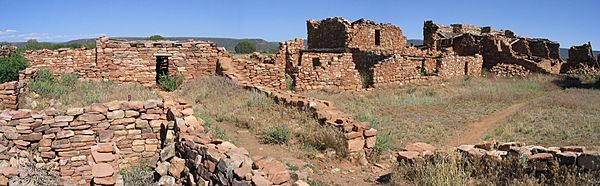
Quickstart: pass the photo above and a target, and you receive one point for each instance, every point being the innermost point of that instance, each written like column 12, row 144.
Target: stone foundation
column 9, row 95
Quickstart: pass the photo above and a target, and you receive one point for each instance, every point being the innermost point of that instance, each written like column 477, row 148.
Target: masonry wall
column 338, row 33
column 323, row 70
column 261, row 73
column 453, row 66
column 64, row 139
column 580, row 55
column 9, row 95
column 497, row 49
column 135, row 61
column 62, row 61
column 400, row 70
column 6, row 50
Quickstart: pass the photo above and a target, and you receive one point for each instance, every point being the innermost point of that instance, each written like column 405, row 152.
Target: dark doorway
column 316, row 62
column 377, row 37
column 162, row 66
column 466, row 68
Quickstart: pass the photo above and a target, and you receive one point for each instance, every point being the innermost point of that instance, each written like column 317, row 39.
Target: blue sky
column 568, row 22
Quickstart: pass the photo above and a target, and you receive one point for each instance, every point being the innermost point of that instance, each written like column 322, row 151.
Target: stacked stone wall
column 9, row 95
column 7, row 50
column 323, row 70
column 63, row 61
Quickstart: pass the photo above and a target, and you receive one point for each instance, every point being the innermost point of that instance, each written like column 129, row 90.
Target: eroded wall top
column 335, row 33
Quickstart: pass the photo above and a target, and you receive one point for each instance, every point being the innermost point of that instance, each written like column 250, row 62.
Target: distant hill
column 228, row 43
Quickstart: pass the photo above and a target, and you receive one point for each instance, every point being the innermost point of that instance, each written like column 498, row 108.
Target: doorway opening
column 162, row 67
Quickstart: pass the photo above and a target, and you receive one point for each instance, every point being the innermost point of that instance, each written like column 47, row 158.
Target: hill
column 228, row 43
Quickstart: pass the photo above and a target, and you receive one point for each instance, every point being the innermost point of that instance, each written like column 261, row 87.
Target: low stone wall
column 271, row 75
column 323, row 70
column 509, row 70
column 8, row 95
column 400, row 70
column 360, row 138
column 64, row 140
column 458, row 66
column 63, row 61
column 539, row 158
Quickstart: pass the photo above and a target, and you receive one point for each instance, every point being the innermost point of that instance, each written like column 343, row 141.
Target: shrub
column 156, row 38
column 366, row 80
column 138, row 176
column 430, row 92
column 170, row 83
column 322, row 138
column 68, row 80
column 383, row 143
column 279, row 134
column 245, row 47
column 10, row 67
column 289, row 82
column 35, row 175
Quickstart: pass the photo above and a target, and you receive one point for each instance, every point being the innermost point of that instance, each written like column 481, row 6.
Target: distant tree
column 156, row 38
column 245, row 47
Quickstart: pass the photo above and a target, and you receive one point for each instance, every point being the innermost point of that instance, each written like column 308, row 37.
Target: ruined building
column 580, row 55
column 6, row 50
column 354, row 55
column 496, row 46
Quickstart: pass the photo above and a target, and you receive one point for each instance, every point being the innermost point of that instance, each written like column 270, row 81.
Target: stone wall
column 496, row 46
column 65, row 140
column 62, row 61
column 135, row 61
column 400, row 70
column 9, row 95
column 361, row 34
column 580, row 55
column 131, row 61
column 6, row 50
column 327, row 70
column 539, row 158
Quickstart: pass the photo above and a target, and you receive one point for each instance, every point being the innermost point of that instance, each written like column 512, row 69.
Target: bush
column 68, row 80
column 138, row 176
column 279, row 134
column 43, row 83
column 245, row 47
column 156, row 38
column 367, row 79
column 383, row 143
column 289, row 82
column 170, row 83
column 11, row 66
column 35, row 175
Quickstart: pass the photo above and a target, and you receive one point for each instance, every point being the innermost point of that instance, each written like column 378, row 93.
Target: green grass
column 170, row 83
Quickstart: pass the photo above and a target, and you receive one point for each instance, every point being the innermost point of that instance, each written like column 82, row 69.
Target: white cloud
column 13, row 35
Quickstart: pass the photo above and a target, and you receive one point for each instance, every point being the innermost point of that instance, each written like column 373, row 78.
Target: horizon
column 61, row 21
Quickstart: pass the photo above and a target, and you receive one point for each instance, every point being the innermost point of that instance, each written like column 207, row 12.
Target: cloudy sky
column 568, row 22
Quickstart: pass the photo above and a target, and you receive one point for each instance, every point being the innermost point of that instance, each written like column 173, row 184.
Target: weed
column 366, row 79
column 316, row 183
column 279, row 134
column 34, row 175
column 383, row 143
column 289, row 82
column 292, row 167
column 138, row 176
column 170, row 83
column 430, row 92
column 68, row 80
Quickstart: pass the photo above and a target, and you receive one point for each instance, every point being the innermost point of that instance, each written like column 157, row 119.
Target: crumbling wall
column 7, row 50
column 580, row 55
column 9, row 95
column 496, row 46
column 327, row 70
column 261, row 73
column 498, row 49
column 338, row 33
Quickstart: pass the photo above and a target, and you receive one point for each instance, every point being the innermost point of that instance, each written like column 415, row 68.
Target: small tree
column 10, row 67
column 245, row 47
column 156, row 38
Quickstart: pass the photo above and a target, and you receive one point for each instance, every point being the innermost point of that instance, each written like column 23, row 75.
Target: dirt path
column 333, row 172
column 474, row 131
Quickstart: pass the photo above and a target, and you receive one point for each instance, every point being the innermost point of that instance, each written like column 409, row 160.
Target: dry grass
column 455, row 169
column 219, row 100
column 433, row 114
column 67, row 92
column 568, row 117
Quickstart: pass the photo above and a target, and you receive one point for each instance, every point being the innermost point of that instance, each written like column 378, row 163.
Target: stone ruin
column 6, row 50
column 581, row 57
column 496, row 46
column 87, row 145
